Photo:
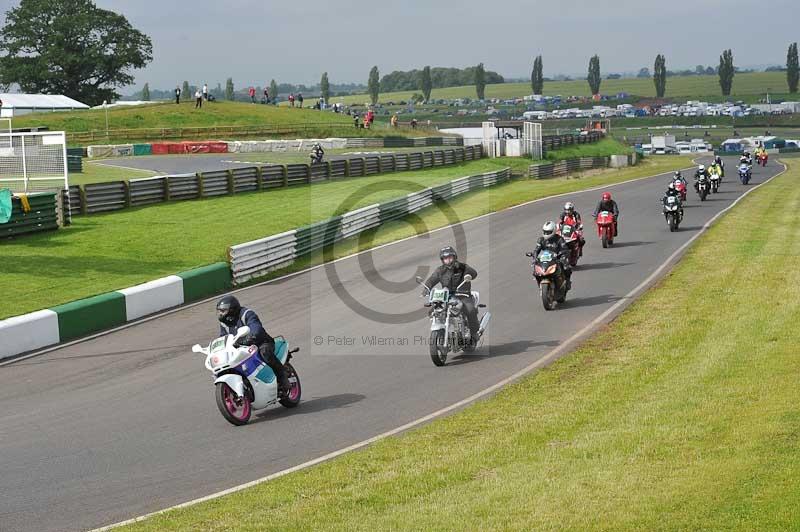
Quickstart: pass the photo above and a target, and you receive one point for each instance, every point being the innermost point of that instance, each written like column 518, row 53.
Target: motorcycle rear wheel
column 234, row 409
column 437, row 349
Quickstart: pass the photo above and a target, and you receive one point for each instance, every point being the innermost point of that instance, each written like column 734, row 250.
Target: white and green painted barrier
column 76, row 319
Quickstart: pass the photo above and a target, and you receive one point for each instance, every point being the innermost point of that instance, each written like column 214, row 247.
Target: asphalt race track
column 126, row 423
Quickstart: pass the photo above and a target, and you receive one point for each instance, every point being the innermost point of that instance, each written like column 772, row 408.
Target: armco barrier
column 86, row 316
column 42, row 216
column 115, row 195
column 254, row 259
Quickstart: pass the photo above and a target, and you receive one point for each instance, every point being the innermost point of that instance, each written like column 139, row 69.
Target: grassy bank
column 656, row 423
column 602, row 148
column 745, row 86
column 297, row 123
column 110, row 251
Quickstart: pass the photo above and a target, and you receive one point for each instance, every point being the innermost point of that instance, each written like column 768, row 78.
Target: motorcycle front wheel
column 673, row 222
column 236, row 410
column 548, row 297
column 437, row 349
column 292, row 398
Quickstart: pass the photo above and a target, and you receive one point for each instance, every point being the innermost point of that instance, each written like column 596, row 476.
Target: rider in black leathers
column 552, row 241
column 232, row 316
column 451, row 274
column 672, row 191
column 701, row 171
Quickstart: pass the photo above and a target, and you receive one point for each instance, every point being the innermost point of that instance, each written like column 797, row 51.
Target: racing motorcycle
column 605, row 228
column 762, row 158
column 745, row 173
column 243, row 381
column 680, row 186
column 673, row 212
column 550, row 277
column 572, row 233
column 449, row 325
column 703, row 186
column 715, row 181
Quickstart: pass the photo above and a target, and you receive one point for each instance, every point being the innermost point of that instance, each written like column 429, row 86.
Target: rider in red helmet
column 608, row 204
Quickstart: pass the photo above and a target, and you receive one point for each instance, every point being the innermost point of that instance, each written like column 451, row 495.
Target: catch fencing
column 259, row 257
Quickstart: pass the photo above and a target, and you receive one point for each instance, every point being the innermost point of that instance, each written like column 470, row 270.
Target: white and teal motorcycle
column 243, row 381
column 449, row 326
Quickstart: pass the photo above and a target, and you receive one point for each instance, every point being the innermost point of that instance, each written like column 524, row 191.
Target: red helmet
column 606, row 196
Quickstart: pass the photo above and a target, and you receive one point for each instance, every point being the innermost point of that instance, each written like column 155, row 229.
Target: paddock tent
column 22, row 104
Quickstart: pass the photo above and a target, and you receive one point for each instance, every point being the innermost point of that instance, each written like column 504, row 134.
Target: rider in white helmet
column 701, row 172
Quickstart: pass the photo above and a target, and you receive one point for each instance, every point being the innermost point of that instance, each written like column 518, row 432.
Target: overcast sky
column 256, row 40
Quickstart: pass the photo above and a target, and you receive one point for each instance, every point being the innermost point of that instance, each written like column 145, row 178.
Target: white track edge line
column 554, row 353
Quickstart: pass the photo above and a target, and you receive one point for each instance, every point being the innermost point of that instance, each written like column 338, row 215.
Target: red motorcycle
column 572, row 232
column 605, row 228
column 680, row 186
column 762, row 159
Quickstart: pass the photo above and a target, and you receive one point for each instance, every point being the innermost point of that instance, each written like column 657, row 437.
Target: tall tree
column 537, row 75
column 71, row 47
column 726, row 72
column 660, row 75
column 273, row 90
column 374, row 84
column 593, row 77
column 480, row 81
column 186, row 91
column 792, row 68
column 229, row 90
column 325, row 87
column 146, row 92
column 426, row 83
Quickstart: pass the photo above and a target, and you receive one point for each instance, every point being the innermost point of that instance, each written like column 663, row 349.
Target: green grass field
column 307, row 122
column 680, row 415
column 682, row 87
column 106, row 252
column 602, row 148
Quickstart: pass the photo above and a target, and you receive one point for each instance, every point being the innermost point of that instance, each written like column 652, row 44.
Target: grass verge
column 106, row 252
column 656, row 423
column 602, row 148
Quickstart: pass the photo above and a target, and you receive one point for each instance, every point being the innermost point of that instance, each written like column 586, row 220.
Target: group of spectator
column 298, row 99
column 200, row 95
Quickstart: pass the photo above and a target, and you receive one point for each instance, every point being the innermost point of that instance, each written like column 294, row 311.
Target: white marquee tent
column 21, row 104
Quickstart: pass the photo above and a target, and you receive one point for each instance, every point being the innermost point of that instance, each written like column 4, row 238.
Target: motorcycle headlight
column 551, row 269
column 538, row 270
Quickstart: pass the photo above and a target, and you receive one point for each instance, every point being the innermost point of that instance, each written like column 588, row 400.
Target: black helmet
column 228, row 309
column 448, row 251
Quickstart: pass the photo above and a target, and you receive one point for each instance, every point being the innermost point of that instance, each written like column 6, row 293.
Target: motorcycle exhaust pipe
column 484, row 323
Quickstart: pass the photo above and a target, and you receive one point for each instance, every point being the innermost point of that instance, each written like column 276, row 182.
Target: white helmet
column 701, row 168
column 569, row 207
column 548, row 229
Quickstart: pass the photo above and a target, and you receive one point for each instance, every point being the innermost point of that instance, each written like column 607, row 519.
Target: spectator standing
column 300, row 99
column 266, row 95
column 177, row 94
column 252, row 93
column 198, row 99
column 394, row 120
column 205, row 91
column 355, row 120
column 413, row 123
column 291, row 99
